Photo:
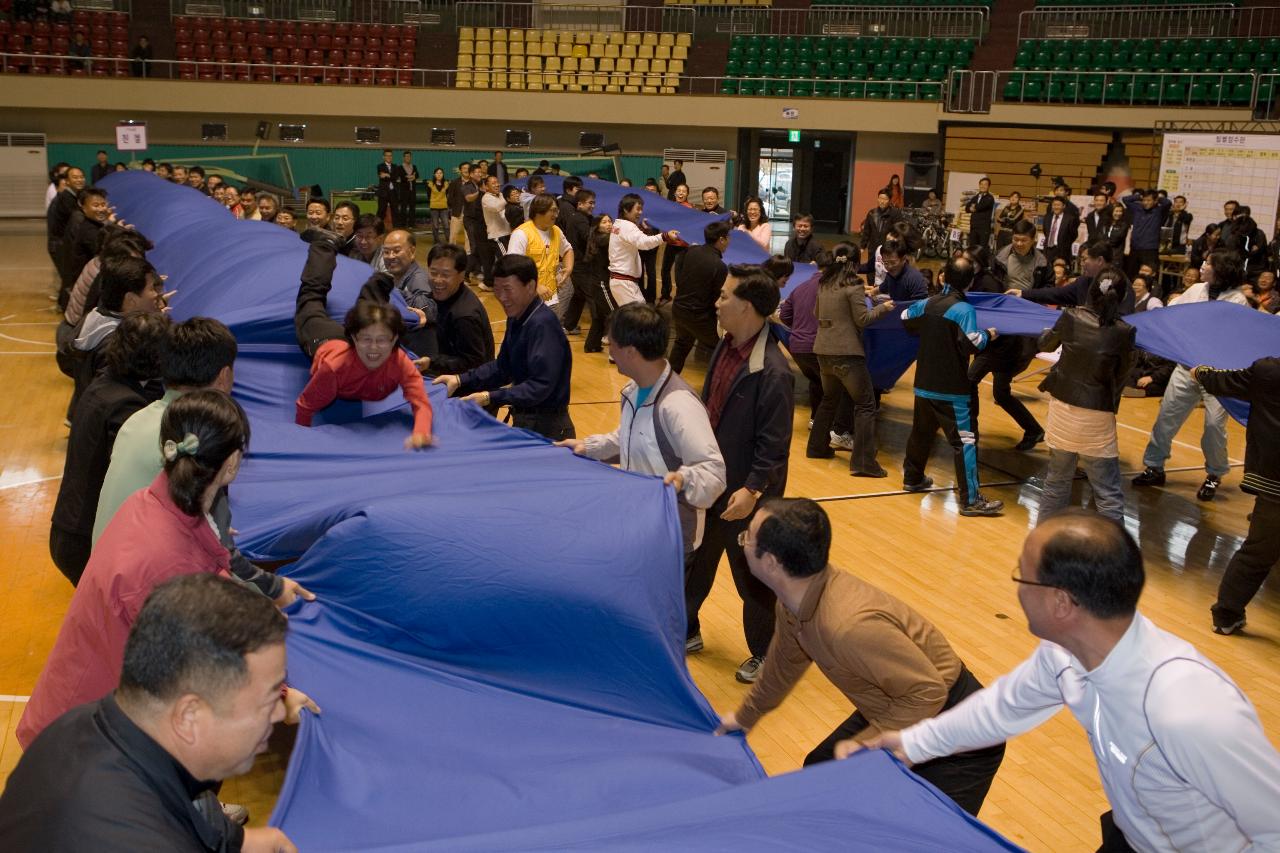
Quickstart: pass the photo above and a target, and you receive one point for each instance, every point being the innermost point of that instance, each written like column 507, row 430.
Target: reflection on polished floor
column 955, row 570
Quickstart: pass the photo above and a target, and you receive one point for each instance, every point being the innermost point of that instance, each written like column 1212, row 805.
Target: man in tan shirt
column 892, row 664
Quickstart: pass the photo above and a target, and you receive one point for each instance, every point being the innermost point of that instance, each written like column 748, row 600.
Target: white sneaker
column 811, row 424
column 841, row 441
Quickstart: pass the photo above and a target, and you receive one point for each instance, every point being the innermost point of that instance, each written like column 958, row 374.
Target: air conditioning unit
column 24, row 174
column 702, row 168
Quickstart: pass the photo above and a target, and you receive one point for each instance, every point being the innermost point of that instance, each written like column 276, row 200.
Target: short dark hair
column 571, row 182
column 1099, row 249
column 220, row 428
column 121, row 276
column 958, row 273
column 197, row 351
column 628, row 203
column 896, row 248
column 192, row 636
column 536, row 181
column 797, row 532
column 1150, row 194
column 716, row 231
column 541, row 204
column 803, row 217
column 706, row 190
column 640, row 325
column 1094, row 560
column 320, row 200
column 757, row 287
column 520, row 266
column 349, row 205
column 90, row 192
column 1228, row 269
column 368, row 220
column 366, row 313
column 136, row 349
column 1024, row 228
column 449, row 252
column 196, row 170
column 779, row 267
column 584, row 195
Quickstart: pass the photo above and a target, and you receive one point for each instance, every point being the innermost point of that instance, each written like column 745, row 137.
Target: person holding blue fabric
column 949, row 334
column 664, row 428
column 532, row 372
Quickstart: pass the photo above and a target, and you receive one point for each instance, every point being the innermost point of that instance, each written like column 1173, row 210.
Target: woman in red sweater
column 158, row 533
column 360, row 358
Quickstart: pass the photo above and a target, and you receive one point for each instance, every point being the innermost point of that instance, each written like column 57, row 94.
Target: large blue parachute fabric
column 497, row 643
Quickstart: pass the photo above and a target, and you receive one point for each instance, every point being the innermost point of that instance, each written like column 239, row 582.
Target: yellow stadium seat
column 680, row 52
column 467, row 46
column 629, row 51
column 582, row 38
column 564, row 49
column 515, row 35
column 606, row 64
column 484, row 47
column 600, row 80
column 612, row 51
column 662, row 51
column 499, row 61
column 480, row 84
column 499, row 81
column 515, row 81
column 516, row 61
column 684, row 40
column 587, row 64
column 676, row 66
column 649, row 38
column 466, row 33
column 641, row 65
column 464, row 61
column 552, row 63
column 633, row 38
column 659, row 65
column 482, row 33
column 533, row 63
column 581, row 51
column 569, row 64
column 597, row 50
column 617, row 38
column 670, row 80
column 599, row 38
column 498, row 35
column 482, row 61
column 533, row 80
column 624, row 64
column 645, row 51
column 667, row 39
column 499, row 47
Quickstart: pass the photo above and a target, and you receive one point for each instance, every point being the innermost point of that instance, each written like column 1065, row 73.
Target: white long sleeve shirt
column 495, row 219
column 688, row 430
column 1183, row 758
column 625, row 244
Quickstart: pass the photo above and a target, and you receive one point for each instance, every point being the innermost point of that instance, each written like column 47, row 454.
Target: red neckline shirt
column 338, row 374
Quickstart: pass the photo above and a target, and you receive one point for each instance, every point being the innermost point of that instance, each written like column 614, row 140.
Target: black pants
column 70, row 552
column 669, row 257
column 1138, row 257
column 386, row 201
column 846, row 374
column 1113, row 840
column 556, row 426
column 1251, row 564
column 311, row 321
column 965, row 777
column 720, row 537
column 588, row 290
column 490, row 251
column 405, row 215
column 954, row 419
column 1004, row 365
column 648, row 287
column 843, row 420
column 691, row 329
column 478, row 237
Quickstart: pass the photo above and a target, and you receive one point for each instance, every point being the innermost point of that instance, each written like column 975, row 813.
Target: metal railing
column 813, row 87
column 578, row 17
column 335, row 11
column 1099, row 22
column 906, row 21
column 1267, row 104
column 1129, row 88
column 970, row 91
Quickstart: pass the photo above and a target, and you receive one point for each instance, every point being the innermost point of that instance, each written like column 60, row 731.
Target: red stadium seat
column 355, row 57
column 120, row 48
column 238, row 37
column 183, row 51
column 307, row 28
column 324, row 41
column 59, row 29
column 17, row 43
column 289, row 39
column 391, row 43
column 41, row 28
column 373, row 42
column 270, row 27
column 356, row 41
column 218, row 36
column 255, row 39
column 221, row 52
column 405, row 78
column 121, row 69
column 297, row 56
column 240, row 53
column 258, row 54
column 100, row 47
column 201, row 35
column 203, row 52
column 338, row 41
column 60, row 45
column 252, row 25
column 39, row 44
column 119, row 32
column 306, row 41
column 337, row 58
column 23, row 28
column 372, row 58
column 288, row 27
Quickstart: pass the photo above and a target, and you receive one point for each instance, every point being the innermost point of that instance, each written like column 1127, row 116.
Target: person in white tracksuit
column 627, row 241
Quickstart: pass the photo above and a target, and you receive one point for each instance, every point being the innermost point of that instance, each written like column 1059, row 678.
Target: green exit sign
column 793, row 136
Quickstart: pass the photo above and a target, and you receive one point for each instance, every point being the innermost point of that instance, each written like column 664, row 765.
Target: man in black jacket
column 532, row 372
column 464, row 337
column 749, row 394
column 878, row 224
column 1093, row 258
column 1179, row 219
column 80, row 242
column 1259, row 384
column 802, row 247
column 1060, row 230
column 575, row 222
column 1020, row 265
column 948, row 328
column 390, row 175
column 701, row 272
column 981, row 209
column 1098, row 218
column 675, row 179
column 59, row 215
column 568, row 202
column 121, row 773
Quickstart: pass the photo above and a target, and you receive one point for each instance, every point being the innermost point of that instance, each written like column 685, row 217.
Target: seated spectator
column 129, row 382
column 1204, row 245
column 360, row 358
column 81, row 48
column 1148, row 376
column 367, row 244
column 160, row 532
column 463, row 334
column 122, row 772
column 1143, row 298
column 1264, row 291
column 60, row 11
column 664, row 429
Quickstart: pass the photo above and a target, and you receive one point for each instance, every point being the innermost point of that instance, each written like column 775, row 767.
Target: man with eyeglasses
column 1183, row 757
column 893, row 665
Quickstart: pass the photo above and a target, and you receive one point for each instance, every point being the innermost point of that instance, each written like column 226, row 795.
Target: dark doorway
column 797, row 172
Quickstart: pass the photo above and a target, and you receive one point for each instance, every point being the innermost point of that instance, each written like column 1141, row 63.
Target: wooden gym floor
column 954, row 570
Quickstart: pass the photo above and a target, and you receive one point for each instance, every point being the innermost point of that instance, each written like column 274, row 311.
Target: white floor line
column 34, row 482
column 23, row 340
column 8, row 317
column 5, row 698
column 28, row 352
column 32, row 323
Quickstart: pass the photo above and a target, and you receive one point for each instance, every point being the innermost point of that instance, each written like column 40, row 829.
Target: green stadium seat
column 728, row 87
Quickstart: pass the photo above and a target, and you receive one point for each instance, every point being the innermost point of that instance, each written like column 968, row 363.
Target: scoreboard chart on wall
column 1213, row 168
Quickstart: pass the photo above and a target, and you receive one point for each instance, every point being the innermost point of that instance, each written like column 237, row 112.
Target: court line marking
column 31, row 323
column 31, row 352
column 34, row 482
column 9, row 698
column 23, row 340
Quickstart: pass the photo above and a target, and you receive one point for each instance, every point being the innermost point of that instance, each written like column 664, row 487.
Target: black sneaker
column 983, row 507
column 923, row 486
column 876, row 472
column 693, row 645
column 1209, row 489
column 1150, row 477
column 1029, row 441
column 1226, row 624
column 750, row 670
column 322, row 235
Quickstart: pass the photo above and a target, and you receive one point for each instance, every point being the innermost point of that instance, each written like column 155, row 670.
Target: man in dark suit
column 749, row 394
column 701, row 273
column 1179, row 219
column 878, row 224
column 981, row 209
column 1060, row 228
column 58, row 216
column 1097, row 218
column 390, row 176
column 675, row 179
